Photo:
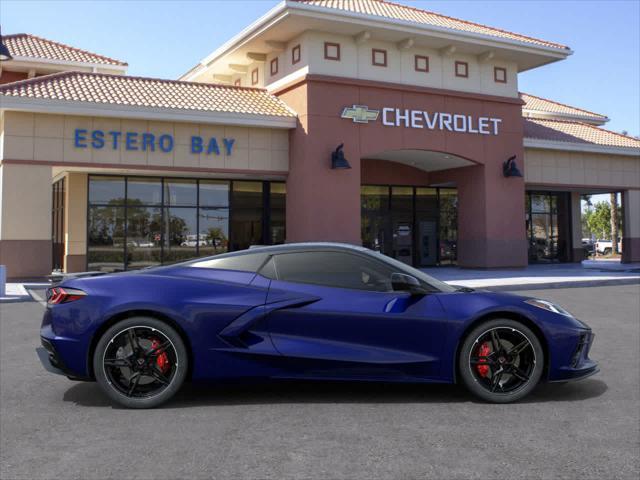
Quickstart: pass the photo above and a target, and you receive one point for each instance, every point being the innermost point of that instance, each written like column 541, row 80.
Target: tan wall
column 43, row 137
column 356, row 62
column 632, row 213
column 75, row 213
column 25, row 202
column 553, row 167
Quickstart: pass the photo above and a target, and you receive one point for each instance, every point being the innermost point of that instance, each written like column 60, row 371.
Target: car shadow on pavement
column 304, row 392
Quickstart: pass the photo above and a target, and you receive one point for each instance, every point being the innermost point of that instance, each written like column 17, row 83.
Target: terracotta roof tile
column 395, row 11
column 545, row 105
column 575, row 132
column 148, row 92
column 27, row 45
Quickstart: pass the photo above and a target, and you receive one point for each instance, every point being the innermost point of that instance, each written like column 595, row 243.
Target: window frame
column 327, row 45
column 274, row 62
column 255, row 76
column 417, row 58
column 375, row 51
column 296, row 54
column 495, row 74
column 465, row 65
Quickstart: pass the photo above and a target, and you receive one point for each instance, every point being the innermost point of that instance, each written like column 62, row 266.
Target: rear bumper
column 53, row 363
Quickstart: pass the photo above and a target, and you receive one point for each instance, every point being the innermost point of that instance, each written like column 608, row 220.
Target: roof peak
column 68, row 73
column 594, row 114
column 448, row 17
column 107, row 60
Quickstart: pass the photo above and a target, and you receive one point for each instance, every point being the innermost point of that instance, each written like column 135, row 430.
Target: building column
column 25, row 220
column 75, row 221
column 491, row 219
column 577, row 252
column 631, row 239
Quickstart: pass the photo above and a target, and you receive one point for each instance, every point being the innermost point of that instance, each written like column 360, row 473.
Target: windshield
column 433, row 283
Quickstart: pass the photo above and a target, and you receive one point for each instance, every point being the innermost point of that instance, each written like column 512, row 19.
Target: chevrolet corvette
column 321, row 311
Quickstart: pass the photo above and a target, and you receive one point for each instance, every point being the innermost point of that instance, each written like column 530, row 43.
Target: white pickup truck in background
column 605, row 247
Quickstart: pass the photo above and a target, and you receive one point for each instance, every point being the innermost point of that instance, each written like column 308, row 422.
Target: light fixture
column 510, row 169
column 4, row 51
column 338, row 162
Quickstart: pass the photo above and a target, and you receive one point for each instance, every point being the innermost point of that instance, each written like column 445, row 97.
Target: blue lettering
column 132, row 141
column 228, row 144
column 165, row 142
column 115, row 136
column 148, row 140
column 213, row 146
column 196, row 144
column 97, row 137
column 80, row 137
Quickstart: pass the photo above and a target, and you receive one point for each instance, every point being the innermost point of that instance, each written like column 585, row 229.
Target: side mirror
column 401, row 282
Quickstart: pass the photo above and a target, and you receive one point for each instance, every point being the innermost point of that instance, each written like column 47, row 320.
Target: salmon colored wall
column 383, row 172
column 324, row 204
column 6, row 77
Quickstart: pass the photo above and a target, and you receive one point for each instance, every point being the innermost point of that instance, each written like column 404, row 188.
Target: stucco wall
column 50, row 138
column 554, row 167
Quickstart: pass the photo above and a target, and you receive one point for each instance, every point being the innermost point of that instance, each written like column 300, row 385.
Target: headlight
column 551, row 307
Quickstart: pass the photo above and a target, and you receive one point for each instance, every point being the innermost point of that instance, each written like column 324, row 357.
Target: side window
column 333, row 269
column 245, row 262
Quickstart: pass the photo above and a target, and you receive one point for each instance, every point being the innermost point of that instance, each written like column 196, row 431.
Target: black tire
column 159, row 385
column 527, row 364
column 607, row 251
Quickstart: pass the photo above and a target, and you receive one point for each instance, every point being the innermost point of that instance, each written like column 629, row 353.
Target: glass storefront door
column 415, row 225
column 548, row 229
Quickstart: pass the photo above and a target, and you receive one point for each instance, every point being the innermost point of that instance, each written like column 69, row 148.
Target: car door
column 356, row 326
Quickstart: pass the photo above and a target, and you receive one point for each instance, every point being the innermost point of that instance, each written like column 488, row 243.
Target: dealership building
column 365, row 122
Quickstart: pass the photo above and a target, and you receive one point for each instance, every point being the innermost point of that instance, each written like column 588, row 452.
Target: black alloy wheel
column 501, row 361
column 140, row 362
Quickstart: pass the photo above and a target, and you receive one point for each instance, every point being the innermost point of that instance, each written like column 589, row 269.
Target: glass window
column 214, row 231
column 277, row 215
column 180, row 235
column 105, row 245
column 214, row 193
column 144, row 191
column 448, row 234
column 375, row 198
column 106, row 190
column 245, row 262
column 334, row 269
column 246, row 215
column 144, row 237
column 180, row 193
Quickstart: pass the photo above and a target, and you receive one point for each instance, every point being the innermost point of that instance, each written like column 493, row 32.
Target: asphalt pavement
column 51, row 427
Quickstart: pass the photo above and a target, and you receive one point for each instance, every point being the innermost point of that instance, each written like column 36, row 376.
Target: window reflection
column 137, row 222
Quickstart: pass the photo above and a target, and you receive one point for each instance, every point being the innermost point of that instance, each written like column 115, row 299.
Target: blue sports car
column 303, row 311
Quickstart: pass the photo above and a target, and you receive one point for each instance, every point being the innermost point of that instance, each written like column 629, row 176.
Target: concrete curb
column 547, row 286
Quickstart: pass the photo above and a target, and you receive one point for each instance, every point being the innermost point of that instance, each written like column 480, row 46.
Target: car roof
column 301, row 246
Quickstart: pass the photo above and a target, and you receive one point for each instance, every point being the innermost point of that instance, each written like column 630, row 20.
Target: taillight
column 58, row 295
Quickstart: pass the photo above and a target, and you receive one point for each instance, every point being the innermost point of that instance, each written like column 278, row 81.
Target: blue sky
column 166, row 38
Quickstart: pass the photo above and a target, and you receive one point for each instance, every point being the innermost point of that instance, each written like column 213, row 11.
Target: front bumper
column 580, row 366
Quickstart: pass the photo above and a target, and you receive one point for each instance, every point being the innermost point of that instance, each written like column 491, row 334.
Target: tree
column 598, row 220
column 614, row 222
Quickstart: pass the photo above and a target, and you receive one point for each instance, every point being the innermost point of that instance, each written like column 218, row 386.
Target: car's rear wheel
column 501, row 361
column 140, row 362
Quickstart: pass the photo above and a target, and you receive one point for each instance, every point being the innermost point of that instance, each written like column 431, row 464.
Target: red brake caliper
column 483, row 351
column 162, row 360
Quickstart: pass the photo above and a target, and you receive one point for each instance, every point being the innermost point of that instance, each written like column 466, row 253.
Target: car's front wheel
column 501, row 361
column 140, row 362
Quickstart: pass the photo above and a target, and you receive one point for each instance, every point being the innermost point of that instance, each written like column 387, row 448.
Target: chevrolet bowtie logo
column 360, row 114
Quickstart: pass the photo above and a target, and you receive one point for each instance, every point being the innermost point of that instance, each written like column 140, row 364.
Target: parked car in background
column 193, row 240
column 605, row 247
column 588, row 247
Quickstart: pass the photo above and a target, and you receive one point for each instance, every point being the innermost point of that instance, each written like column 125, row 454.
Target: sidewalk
column 537, row 276
column 19, row 292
